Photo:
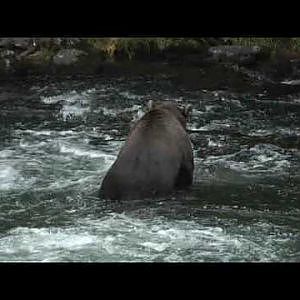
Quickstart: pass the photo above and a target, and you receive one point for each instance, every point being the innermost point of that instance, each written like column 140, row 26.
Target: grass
column 135, row 47
column 131, row 48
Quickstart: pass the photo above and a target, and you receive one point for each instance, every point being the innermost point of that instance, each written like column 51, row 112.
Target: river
column 58, row 137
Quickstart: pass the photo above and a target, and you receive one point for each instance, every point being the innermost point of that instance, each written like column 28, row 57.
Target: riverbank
column 207, row 63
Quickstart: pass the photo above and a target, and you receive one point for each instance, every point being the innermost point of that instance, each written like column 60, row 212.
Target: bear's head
column 181, row 112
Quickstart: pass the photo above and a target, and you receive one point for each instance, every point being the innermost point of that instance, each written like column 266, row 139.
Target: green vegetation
column 133, row 48
column 130, row 50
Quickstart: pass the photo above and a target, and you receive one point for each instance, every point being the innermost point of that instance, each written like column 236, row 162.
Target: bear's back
column 150, row 159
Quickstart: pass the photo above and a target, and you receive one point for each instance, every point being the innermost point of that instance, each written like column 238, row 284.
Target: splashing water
column 243, row 206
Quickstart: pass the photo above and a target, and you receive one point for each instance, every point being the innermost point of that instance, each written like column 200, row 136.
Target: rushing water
column 59, row 137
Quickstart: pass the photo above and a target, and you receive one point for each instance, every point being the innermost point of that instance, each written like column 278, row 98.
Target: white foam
column 45, row 132
column 210, row 108
column 117, row 237
column 11, row 178
column 214, row 144
column 8, row 177
column 130, row 96
column 90, row 91
column 32, row 145
column 54, row 99
column 66, row 132
column 156, row 246
column 83, row 152
column 34, row 132
column 73, row 110
column 114, row 111
column 289, row 131
column 6, row 153
column 214, row 125
column 73, row 103
column 260, row 132
column 43, row 244
column 291, row 82
column 262, row 158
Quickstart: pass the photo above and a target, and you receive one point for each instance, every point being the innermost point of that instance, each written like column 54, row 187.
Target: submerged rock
column 22, row 43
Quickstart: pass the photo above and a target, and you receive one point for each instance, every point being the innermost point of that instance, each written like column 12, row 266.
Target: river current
column 59, row 137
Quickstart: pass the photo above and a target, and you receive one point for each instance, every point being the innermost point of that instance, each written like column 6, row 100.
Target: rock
column 22, row 43
column 56, row 41
column 48, row 42
column 217, row 41
column 7, row 58
column 26, row 52
column 67, row 57
column 6, row 42
column 5, row 64
column 7, row 53
column 72, row 41
column 65, row 43
column 19, row 43
column 40, row 57
column 33, row 63
column 234, row 54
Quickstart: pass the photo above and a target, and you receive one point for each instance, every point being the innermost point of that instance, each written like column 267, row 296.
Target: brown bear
column 157, row 157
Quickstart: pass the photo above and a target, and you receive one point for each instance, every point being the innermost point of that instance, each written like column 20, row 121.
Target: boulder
column 22, row 43
column 5, row 64
column 7, row 53
column 5, row 42
column 7, row 57
column 67, row 57
column 69, row 42
column 40, row 57
column 234, row 54
column 59, row 42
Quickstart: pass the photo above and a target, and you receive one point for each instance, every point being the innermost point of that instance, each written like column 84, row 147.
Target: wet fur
column 156, row 158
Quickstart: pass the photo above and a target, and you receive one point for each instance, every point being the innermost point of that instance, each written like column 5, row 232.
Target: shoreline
column 199, row 63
